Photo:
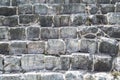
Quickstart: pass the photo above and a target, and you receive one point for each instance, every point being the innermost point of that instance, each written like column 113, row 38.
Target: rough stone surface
column 10, row 77
column 4, row 48
column 116, row 64
column 1, row 62
column 3, row 33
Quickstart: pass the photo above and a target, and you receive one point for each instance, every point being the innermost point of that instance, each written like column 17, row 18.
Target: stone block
column 89, row 1
column 56, row 46
column 102, row 63
column 93, row 8
column 52, row 76
column 3, row 33
column 2, row 18
column 41, row 9
column 75, row 1
column 5, row 2
column 114, row 1
column 81, row 61
column 12, row 64
column 77, row 8
column 25, row 9
column 72, row 45
column 37, row 1
column 10, row 77
column 49, row 33
column 36, row 47
column 1, row 62
column 19, row 2
column 68, row 32
column 55, row 1
column 28, row 18
column 17, row 34
column 11, row 21
column 18, row 47
column 32, row 62
column 66, row 9
column 108, row 46
column 103, row 1
column 107, row 8
column 4, row 48
column 116, row 64
column 33, row 33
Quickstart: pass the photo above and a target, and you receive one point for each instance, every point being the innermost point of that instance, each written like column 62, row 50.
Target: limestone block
column 36, row 47
column 56, row 46
column 49, row 33
column 33, row 33
column 18, row 47
column 4, row 48
column 10, row 77
column 17, row 33
column 32, row 62
column 3, row 33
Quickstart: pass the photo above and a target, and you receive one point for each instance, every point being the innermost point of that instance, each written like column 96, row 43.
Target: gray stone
column 12, row 64
column 89, row 76
column 19, row 2
column 49, row 33
column 55, row 1
column 4, row 48
column 72, row 45
column 33, row 33
column 108, row 46
column 114, row 1
column 52, row 76
column 117, row 7
column 37, row 1
column 10, row 77
column 36, row 47
column 116, row 64
column 68, row 32
column 89, row 1
column 5, row 2
column 93, row 8
column 81, row 61
column 56, row 46
column 75, row 1
column 73, row 75
column 103, row 1
column 2, row 18
column 107, row 8
column 18, row 47
column 25, row 9
column 17, row 34
column 1, row 62
column 32, row 62
column 3, row 33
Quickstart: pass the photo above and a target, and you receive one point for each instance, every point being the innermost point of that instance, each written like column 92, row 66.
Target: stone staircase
column 59, row 40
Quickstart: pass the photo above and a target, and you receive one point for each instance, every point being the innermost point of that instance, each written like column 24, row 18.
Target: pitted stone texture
column 28, row 19
column 73, row 75
column 3, row 33
column 65, row 62
column 32, row 62
column 107, row 8
column 81, row 61
column 68, row 32
column 12, row 64
column 49, row 33
column 108, row 46
column 33, row 33
column 18, row 47
column 116, row 64
column 52, row 63
column 46, row 21
column 11, row 21
column 5, row 2
column 102, row 63
column 56, row 46
column 72, row 45
column 4, row 48
column 25, row 9
column 36, row 47
column 17, row 34
column 19, row 2
column 52, row 76
column 88, row 45
column 1, row 62
column 10, row 77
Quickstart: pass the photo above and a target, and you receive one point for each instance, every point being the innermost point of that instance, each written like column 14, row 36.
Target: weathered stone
column 33, row 33
column 93, row 8
column 49, row 33
column 103, row 1
column 81, row 61
column 102, row 63
column 4, row 48
column 12, row 64
column 89, row 76
column 90, row 36
column 11, row 21
column 2, row 20
column 108, row 46
column 107, row 8
column 66, row 9
column 17, row 34
column 36, row 47
column 10, row 77
column 52, row 76
column 116, row 64
column 18, row 47
column 75, row 1
column 46, row 21
column 37, row 1
column 19, row 2
column 3, row 33
column 72, row 45
column 32, row 62
column 1, row 63
column 73, row 75
column 28, row 18
column 55, row 1
column 5, row 2
column 25, row 9
column 88, row 46
column 65, row 62
column 56, row 46
column 77, row 8
column 114, row 1
column 89, row 1
column 68, row 32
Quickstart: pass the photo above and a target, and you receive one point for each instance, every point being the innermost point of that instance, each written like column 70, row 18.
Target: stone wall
column 59, row 39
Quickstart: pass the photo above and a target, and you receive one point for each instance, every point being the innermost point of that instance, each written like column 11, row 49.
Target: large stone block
column 10, row 77
column 17, row 34
column 49, row 33
column 3, row 33
column 25, row 9
column 32, row 62
column 28, row 18
column 56, row 46
column 107, row 8
column 4, row 48
column 77, row 8
column 1, row 63
column 68, row 32
column 33, row 33
column 18, row 47
column 36, row 47
column 5, row 2
column 81, row 61
column 19, row 2
column 12, row 64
